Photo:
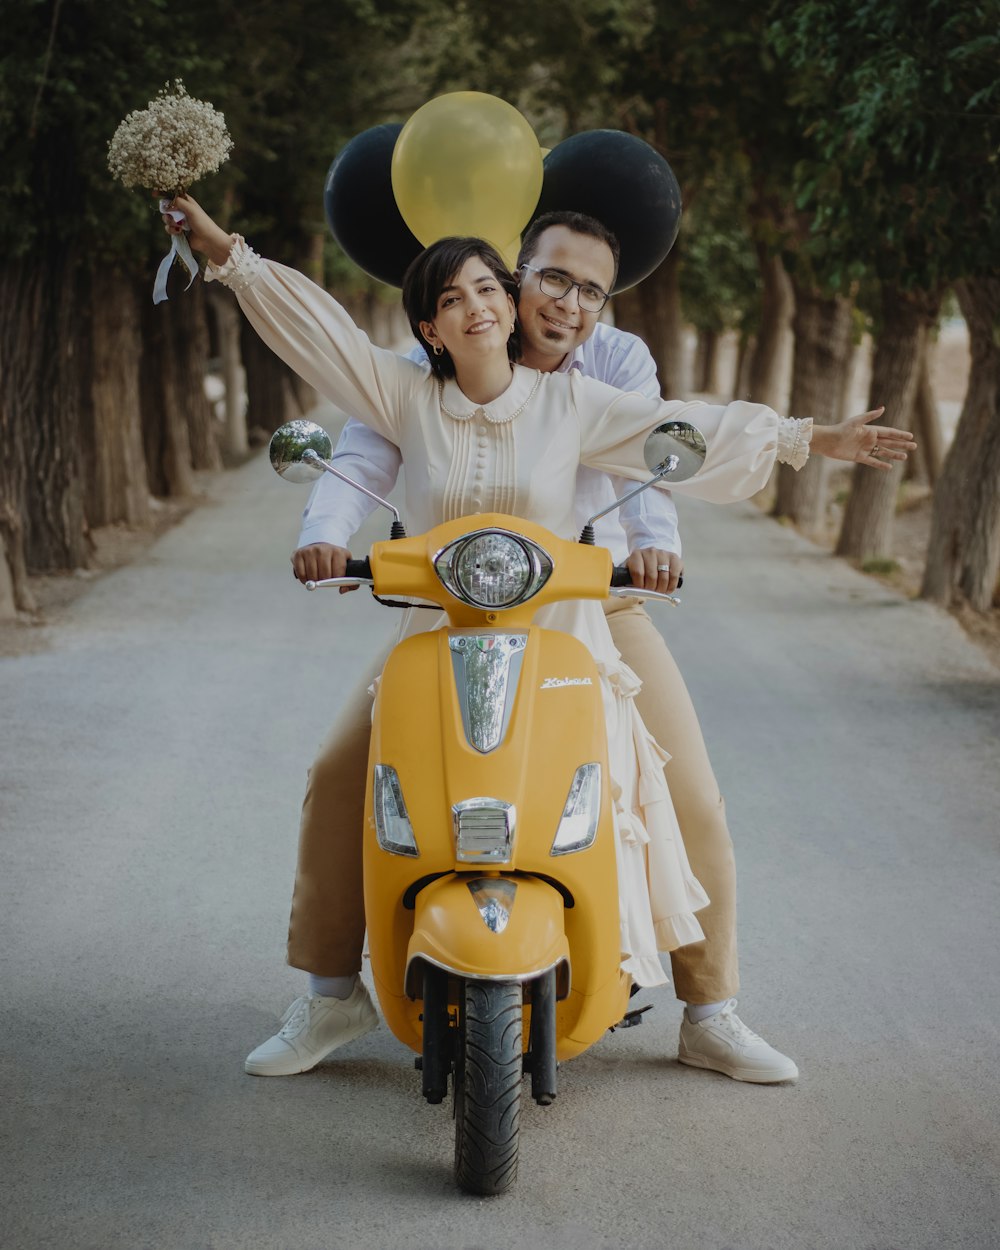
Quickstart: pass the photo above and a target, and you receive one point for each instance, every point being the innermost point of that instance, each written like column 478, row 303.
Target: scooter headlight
column 493, row 568
column 578, row 826
column 392, row 821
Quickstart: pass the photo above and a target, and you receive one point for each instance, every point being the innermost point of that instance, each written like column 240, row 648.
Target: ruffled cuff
column 241, row 269
column 794, row 437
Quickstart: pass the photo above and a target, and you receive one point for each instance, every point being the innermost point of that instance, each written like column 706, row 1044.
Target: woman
column 482, row 433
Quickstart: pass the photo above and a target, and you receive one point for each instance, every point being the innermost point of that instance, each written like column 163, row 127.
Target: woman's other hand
column 652, row 569
column 856, row 440
column 202, row 232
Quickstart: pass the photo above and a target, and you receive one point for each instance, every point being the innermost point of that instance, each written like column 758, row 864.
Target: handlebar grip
column 359, row 568
column 620, row 576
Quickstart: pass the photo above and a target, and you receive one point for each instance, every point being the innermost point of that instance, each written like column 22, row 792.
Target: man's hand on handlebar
column 647, row 574
column 319, row 561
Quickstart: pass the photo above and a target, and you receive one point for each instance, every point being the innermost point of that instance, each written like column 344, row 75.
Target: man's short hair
column 579, row 223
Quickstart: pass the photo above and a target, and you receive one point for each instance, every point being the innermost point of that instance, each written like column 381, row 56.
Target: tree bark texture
column 867, row 527
column 223, row 307
column 822, row 326
column 191, row 339
column 164, row 420
column 963, row 554
column 707, row 363
column 660, row 302
column 111, row 425
column 42, row 373
column 929, row 456
column 271, row 399
column 767, row 382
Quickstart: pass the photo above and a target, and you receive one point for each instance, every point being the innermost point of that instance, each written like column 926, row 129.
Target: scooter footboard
column 500, row 928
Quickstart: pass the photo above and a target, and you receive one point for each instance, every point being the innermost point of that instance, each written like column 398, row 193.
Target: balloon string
column 179, row 249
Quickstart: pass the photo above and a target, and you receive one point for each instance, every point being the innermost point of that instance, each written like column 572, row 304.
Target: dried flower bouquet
column 165, row 148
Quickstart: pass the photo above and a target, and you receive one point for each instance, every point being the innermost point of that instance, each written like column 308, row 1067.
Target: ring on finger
column 663, row 568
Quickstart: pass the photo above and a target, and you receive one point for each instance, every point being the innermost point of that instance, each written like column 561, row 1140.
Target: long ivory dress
column 519, row 455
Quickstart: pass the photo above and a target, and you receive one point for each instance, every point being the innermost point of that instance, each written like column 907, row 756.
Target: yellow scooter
column 489, row 859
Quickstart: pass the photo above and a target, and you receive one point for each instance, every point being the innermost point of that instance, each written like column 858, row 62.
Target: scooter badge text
column 550, row 683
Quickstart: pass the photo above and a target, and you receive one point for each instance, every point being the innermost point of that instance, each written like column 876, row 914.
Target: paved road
column 153, row 759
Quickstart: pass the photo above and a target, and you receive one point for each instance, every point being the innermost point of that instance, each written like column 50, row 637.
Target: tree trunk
column 741, row 368
column 164, row 420
column 42, row 374
column 929, row 456
column 270, row 398
column 866, row 530
column 767, row 385
column 963, row 555
column 822, row 326
column 660, row 301
column 227, row 317
column 189, row 328
column 707, row 363
column 111, row 425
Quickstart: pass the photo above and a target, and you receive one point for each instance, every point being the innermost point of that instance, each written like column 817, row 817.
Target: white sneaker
column 312, row 1028
column 724, row 1043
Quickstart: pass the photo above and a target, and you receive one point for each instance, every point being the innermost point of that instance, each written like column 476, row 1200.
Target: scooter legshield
column 556, row 724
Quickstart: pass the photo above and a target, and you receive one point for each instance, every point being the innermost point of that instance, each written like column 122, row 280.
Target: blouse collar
column 499, row 411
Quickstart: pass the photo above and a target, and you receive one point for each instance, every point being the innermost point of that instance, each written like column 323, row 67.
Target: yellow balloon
column 510, row 252
column 467, row 163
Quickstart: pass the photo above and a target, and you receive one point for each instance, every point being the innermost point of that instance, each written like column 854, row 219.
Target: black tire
column 488, row 1087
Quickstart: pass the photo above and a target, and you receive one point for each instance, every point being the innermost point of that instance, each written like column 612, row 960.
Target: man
column 567, row 265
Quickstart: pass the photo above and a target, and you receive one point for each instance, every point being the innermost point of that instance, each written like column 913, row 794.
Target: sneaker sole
column 753, row 1076
column 265, row 1069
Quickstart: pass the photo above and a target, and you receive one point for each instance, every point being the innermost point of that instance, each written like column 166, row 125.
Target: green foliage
column 901, row 102
column 295, row 82
column 719, row 277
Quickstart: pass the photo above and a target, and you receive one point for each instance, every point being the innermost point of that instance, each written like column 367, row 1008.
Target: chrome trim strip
column 487, row 669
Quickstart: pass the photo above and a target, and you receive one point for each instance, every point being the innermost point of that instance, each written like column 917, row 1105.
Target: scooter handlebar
column 359, row 568
column 620, row 576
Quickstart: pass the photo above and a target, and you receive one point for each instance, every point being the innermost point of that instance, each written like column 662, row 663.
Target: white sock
column 696, row 1012
column 332, row 987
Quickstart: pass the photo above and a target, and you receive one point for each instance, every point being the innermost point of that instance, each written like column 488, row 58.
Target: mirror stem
column 668, row 466
column 398, row 529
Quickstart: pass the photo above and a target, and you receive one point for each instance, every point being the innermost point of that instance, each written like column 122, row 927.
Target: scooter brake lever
column 338, row 581
column 633, row 592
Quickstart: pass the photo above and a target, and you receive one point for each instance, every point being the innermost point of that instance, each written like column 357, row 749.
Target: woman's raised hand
column 878, row 446
column 202, row 232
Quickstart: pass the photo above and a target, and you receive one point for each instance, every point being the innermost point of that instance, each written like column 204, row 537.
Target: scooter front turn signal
column 578, row 826
column 392, row 821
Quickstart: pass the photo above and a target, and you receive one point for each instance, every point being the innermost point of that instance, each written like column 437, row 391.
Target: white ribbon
column 180, row 248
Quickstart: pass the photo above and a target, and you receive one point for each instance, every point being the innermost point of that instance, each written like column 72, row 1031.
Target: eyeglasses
column 552, row 282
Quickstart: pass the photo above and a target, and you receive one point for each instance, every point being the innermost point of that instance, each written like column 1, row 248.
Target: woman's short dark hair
column 433, row 270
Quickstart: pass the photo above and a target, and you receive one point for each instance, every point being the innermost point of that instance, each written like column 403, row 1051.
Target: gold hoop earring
column 437, row 349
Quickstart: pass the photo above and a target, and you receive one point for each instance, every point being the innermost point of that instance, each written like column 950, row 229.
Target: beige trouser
column 327, row 927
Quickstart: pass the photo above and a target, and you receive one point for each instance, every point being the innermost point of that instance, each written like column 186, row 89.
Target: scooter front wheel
column 488, row 1087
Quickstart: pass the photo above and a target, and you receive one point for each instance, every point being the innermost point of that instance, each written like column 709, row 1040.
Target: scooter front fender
column 450, row 932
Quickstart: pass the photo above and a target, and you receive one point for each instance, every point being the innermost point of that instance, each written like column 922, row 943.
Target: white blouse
column 518, row 454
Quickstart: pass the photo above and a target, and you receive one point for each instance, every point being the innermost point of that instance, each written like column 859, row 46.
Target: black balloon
column 626, row 185
column 361, row 208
